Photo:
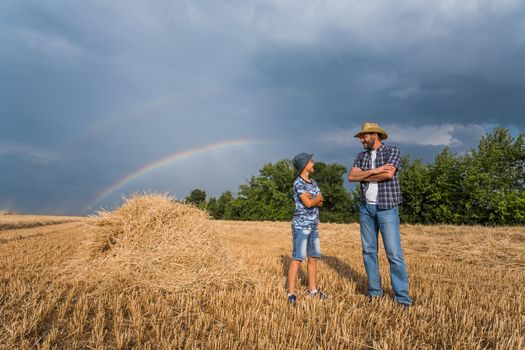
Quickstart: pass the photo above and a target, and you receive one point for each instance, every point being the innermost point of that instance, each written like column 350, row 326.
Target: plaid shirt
column 389, row 192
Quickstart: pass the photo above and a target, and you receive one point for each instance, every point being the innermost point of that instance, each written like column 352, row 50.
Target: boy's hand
column 320, row 200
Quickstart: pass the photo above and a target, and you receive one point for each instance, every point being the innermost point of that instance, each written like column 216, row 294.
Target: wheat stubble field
column 160, row 275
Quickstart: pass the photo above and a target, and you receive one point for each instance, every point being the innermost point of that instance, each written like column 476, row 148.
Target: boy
column 307, row 198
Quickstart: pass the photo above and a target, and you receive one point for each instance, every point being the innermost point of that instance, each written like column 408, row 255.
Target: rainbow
column 167, row 160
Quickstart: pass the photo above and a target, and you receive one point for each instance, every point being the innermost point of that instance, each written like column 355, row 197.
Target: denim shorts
column 305, row 243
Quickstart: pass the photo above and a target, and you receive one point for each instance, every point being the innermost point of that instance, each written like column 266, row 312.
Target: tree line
column 484, row 186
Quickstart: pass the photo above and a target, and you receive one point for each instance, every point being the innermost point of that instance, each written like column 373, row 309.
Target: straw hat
column 368, row 128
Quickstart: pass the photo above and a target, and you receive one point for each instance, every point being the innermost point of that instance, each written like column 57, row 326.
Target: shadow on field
column 348, row 272
column 302, row 278
column 20, row 238
column 24, row 225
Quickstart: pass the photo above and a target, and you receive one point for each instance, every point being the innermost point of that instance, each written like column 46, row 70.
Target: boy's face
column 309, row 166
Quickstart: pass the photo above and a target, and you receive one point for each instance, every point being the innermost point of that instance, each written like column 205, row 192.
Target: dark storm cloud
column 472, row 73
column 92, row 91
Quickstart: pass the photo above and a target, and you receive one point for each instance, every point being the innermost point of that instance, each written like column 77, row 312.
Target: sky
column 100, row 99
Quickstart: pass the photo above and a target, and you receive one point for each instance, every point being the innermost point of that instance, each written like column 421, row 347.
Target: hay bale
column 152, row 241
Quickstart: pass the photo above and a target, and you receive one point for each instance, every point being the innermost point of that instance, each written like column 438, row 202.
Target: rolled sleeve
column 358, row 162
column 300, row 188
column 394, row 157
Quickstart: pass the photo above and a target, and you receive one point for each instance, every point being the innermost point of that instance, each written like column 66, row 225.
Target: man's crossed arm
column 378, row 174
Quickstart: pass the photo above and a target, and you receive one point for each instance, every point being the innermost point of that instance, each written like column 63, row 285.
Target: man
column 376, row 169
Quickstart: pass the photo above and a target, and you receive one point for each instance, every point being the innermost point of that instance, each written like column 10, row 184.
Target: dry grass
column 467, row 283
column 15, row 221
column 154, row 242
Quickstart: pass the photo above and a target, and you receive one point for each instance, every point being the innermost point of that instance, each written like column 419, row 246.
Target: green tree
column 445, row 198
column 415, row 188
column 484, row 186
column 355, row 201
column 219, row 208
column 196, row 197
column 494, row 180
column 337, row 205
column 211, row 207
column 267, row 196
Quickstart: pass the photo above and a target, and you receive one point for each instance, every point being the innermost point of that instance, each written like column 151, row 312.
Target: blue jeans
column 305, row 243
column 373, row 219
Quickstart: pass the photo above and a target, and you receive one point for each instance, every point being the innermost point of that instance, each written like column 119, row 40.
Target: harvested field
column 13, row 222
column 467, row 284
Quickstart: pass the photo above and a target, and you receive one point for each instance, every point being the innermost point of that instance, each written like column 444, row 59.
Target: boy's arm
column 311, row 202
column 320, row 200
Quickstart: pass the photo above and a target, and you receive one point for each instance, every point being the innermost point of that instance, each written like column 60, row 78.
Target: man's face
column 368, row 141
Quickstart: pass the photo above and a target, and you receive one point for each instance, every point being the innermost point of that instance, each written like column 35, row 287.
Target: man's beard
column 369, row 145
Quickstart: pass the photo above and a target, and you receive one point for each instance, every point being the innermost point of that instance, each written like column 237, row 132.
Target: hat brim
column 382, row 135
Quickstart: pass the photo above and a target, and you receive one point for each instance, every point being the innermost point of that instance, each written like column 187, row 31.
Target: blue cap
column 300, row 161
